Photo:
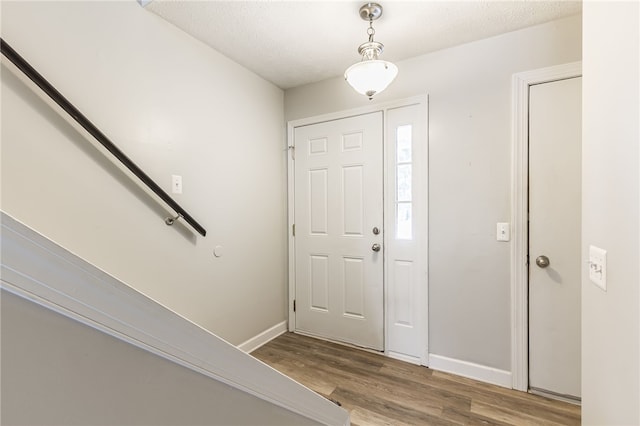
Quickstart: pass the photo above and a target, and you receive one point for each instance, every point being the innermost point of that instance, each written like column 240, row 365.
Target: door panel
column 338, row 201
column 406, row 233
column 554, row 232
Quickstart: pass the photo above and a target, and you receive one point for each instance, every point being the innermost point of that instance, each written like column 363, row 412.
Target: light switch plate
column 598, row 267
column 502, row 232
column 176, row 184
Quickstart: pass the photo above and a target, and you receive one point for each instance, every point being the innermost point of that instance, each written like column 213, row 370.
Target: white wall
column 469, row 89
column 610, row 203
column 175, row 107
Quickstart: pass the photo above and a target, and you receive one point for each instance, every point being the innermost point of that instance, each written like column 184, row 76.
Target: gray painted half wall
column 56, row 371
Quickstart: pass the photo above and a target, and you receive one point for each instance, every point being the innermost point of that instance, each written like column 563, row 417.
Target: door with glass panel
column 406, row 236
column 338, row 209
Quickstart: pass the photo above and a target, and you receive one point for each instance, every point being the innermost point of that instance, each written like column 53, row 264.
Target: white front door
column 339, row 230
column 554, row 237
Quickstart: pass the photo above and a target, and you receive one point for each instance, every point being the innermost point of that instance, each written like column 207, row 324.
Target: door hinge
column 293, row 229
column 292, row 148
column 294, row 305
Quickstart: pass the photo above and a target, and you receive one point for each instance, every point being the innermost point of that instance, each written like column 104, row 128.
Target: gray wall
column 174, row 106
column 56, row 371
column 469, row 89
column 610, row 204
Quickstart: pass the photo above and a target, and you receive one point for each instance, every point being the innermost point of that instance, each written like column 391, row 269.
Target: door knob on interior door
column 542, row 261
column 375, row 247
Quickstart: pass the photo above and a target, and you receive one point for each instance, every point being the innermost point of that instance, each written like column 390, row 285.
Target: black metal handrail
column 83, row 121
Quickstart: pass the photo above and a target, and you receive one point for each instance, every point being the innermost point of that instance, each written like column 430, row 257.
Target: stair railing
column 21, row 64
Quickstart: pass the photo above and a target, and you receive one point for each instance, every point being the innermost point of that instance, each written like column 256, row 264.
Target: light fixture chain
column 371, row 31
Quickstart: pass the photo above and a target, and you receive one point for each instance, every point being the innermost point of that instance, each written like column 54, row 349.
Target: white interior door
column 554, row 234
column 338, row 207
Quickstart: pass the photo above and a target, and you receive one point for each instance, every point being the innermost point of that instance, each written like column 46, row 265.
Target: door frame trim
column 291, row 125
column 519, row 212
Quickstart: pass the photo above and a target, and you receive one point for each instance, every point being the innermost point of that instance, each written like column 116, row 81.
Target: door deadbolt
column 375, row 230
column 542, row 261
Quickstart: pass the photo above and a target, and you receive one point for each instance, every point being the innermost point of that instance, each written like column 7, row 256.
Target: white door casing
column 555, row 234
column 521, row 83
column 420, row 304
column 338, row 203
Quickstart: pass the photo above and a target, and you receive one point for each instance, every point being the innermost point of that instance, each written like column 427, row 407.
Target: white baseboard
column 470, row 370
column 265, row 337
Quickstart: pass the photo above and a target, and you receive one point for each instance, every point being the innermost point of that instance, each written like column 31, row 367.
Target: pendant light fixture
column 371, row 75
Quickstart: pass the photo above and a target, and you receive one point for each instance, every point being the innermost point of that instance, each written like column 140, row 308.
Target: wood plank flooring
column 382, row 391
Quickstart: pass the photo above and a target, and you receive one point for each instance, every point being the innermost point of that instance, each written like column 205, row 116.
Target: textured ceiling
column 291, row 43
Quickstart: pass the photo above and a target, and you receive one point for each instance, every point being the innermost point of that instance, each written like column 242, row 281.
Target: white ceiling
column 291, row 43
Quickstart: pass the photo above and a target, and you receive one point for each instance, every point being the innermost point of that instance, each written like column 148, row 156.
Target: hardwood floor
column 382, row 391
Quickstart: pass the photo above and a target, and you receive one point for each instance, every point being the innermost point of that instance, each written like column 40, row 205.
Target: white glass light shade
column 371, row 77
